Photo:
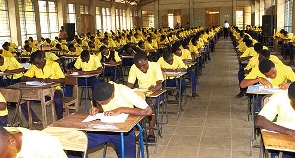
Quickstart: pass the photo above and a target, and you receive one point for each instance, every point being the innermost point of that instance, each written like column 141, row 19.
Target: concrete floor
column 214, row 126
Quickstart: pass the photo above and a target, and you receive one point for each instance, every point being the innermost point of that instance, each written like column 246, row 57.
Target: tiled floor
column 214, row 126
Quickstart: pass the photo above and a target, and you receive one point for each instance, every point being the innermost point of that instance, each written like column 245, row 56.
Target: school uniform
column 10, row 63
column 3, row 113
column 110, row 71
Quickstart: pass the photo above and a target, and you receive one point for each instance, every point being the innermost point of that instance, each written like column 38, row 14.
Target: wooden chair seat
column 68, row 101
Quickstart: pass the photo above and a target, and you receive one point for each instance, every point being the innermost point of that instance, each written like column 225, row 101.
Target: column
column 61, row 12
column 92, row 16
column 257, row 15
column 261, row 11
column 293, row 17
column 37, row 19
column 78, row 19
column 128, row 18
column 156, row 14
column 113, row 15
column 234, row 12
column 191, row 14
column 280, row 14
column 14, row 23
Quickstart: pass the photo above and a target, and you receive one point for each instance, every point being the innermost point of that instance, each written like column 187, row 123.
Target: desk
column 277, row 141
column 176, row 75
column 38, row 93
column 115, row 68
column 86, row 89
column 255, row 90
column 285, row 41
column 75, row 121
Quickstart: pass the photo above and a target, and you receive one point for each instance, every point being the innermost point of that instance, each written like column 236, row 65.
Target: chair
column 82, row 92
column 13, row 96
column 70, row 138
column 68, row 101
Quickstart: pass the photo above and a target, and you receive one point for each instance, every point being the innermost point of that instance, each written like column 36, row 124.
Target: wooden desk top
column 23, row 85
column 75, row 121
column 277, row 141
column 82, row 76
column 175, row 74
column 155, row 94
column 189, row 63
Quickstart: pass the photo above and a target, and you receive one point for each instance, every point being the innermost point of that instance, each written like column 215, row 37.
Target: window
column 243, row 16
column 124, row 23
column 106, row 17
column 118, row 19
column 288, row 15
column 148, row 19
column 84, row 9
column 98, row 19
column 4, row 22
column 71, row 14
column 48, row 19
column 27, row 20
column 133, row 22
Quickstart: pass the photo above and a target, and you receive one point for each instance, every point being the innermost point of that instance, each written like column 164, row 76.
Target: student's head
column 175, row 49
column 5, row 46
column 268, row 68
column 104, row 50
column 185, row 45
column 8, row 145
column 72, row 47
column 168, row 57
column 258, row 47
column 1, row 60
column 103, row 93
column 149, row 39
column 105, row 41
column 37, row 59
column 141, row 62
column 85, row 56
column 58, row 46
column 91, row 45
column 194, row 41
column 264, row 54
column 141, row 44
column 27, row 48
column 249, row 43
column 291, row 94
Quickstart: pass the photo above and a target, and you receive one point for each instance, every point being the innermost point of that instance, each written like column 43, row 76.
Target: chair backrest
column 264, row 100
column 70, row 138
column 11, row 95
column 72, row 81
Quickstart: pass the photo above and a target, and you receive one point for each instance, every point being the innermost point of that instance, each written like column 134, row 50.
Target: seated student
column 269, row 74
column 281, row 107
column 28, row 50
column 86, row 64
column 186, row 56
column 110, row 57
column 11, row 65
column 74, row 51
column 3, row 112
column 249, row 52
column 24, row 143
column 6, row 52
column 44, row 70
column 50, row 56
column 127, row 50
column 172, row 63
column 149, row 76
column 114, row 99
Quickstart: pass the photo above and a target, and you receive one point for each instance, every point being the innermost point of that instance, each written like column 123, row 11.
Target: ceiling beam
column 144, row 2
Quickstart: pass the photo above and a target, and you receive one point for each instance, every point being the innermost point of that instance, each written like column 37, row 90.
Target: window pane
column 4, row 23
column 52, row 7
column 30, row 22
column 98, row 18
column 28, row 6
column 44, row 23
column 42, row 6
column 3, row 5
column 71, row 8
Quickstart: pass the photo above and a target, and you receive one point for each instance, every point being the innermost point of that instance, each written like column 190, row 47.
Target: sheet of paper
column 36, row 83
column 108, row 119
column 74, row 73
column 173, row 73
column 290, row 125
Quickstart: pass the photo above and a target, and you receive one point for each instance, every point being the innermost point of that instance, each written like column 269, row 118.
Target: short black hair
column 85, row 53
column 103, row 91
column 102, row 48
column 258, row 47
column 265, row 53
column 249, row 43
column 184, row 44
column 27, row 46
column 4, row 135
column 37, row 55
column 71, row 45
column 265, row 66
column 166, row 54
column 291, row 91
column 138, row 57
column 174, row 48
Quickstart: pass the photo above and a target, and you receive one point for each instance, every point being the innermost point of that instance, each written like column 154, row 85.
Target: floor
column 214, row 126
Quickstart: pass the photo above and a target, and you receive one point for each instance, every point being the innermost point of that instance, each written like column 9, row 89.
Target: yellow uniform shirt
column 194, row 49
column 145, row 80
column 76, row 53
column 7, row 54
column 91, row 65
column 10, row 63
column 51, row 70
column 249, row 52
column 186, row 54
column 242, row 47
column 5, row 111
column 283, row 73
column 279, row 106
column 253, row 62
column 177, row 63
column 38, row 144
column 124, row 97
column 51, row 56
column 116, row 56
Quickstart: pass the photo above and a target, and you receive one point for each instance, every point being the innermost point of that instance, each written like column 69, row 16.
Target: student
column 149, row 76
column 172, row 63
column 186, row 56
column 24, row 143
column 11, row 65
column 3, row 112
column 281, row 107
column 114, row 99
column 86, row 64
column 6, row 52
column 44, row 70
column 110, row 57
column 62, row 34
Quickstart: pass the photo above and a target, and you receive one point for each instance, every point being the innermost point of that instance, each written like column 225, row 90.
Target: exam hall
column 210, row 94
